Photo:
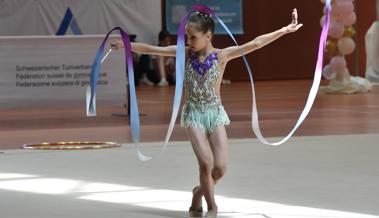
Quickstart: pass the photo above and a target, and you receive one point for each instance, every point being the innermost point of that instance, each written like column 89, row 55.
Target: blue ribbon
column 91, row 90
column 179, row 75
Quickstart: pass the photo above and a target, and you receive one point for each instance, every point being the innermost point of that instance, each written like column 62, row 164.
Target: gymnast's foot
column 196, row 208
column 212, row 213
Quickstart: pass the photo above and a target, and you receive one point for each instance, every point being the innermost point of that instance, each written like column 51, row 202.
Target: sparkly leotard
column 202, row 108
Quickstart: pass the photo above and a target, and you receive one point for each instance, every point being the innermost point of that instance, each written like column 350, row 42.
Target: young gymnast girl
column 203, row 115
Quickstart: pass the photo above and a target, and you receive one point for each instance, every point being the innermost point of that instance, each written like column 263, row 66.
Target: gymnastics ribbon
column 315, row 85
column 91, row 89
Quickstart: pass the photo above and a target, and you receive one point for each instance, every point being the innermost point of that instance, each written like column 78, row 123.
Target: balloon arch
column 339, row 44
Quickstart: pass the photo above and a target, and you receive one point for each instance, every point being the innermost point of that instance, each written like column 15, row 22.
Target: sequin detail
column 201, row 89
column 202, row 68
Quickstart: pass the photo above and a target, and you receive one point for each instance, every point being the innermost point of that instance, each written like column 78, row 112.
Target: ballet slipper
column 195, row 212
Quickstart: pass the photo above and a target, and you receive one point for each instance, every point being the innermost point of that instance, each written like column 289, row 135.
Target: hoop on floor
column 70, row 145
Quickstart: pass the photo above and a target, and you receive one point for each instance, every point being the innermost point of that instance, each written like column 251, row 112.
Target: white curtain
column 43, row 17
column 372, row 50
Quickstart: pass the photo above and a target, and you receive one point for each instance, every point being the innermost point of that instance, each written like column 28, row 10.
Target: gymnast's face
column 196, row 39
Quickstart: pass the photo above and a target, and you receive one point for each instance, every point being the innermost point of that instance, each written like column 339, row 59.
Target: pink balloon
column 343, row 7
column 347, row 19
column 346, row 45
column 338, row 63
column 332, row 12
column 336, row 29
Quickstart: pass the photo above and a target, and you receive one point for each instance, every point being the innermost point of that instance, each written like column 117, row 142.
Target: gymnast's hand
column 294, row 25
column 117, row 44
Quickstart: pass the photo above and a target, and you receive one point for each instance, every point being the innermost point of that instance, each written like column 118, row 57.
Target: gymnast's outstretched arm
column 260, row 41
column 143, row 48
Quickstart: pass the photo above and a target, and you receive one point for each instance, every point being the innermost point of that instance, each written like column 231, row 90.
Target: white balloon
column 328, row 72
column 346, row 45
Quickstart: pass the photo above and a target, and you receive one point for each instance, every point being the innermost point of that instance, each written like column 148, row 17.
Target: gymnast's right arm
column 143, row 48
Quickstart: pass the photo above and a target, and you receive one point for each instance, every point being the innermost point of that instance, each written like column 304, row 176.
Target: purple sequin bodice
column 202, row 68
column 200, row 81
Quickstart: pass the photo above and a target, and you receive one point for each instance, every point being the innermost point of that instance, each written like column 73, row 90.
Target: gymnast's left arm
column 232, row 52
column 143, row 48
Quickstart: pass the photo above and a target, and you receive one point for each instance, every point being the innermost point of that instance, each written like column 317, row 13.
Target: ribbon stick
column 105, row 56
column 88, row 92
column 91, row 90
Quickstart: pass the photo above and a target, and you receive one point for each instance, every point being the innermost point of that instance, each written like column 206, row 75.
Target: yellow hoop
column 71, row 145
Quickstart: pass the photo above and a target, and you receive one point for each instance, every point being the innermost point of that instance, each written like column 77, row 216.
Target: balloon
column 331, row 47
column 343, row 76
column 328, row 72
column 322, row 21
column 347, row 19
column 336, row 29
column 338, row 63
column 343, row 7
column 323, row 1
column 349, row 32
column 346, row 45
column 332, row 12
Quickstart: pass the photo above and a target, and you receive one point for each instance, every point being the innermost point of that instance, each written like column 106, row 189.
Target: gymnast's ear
column 209, row 35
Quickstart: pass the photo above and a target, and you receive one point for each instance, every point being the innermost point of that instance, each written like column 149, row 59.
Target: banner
column 42, row 71
column 45, row 17
column 230, row 12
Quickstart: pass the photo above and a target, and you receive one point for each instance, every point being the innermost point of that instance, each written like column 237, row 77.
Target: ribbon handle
column 90, row 112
